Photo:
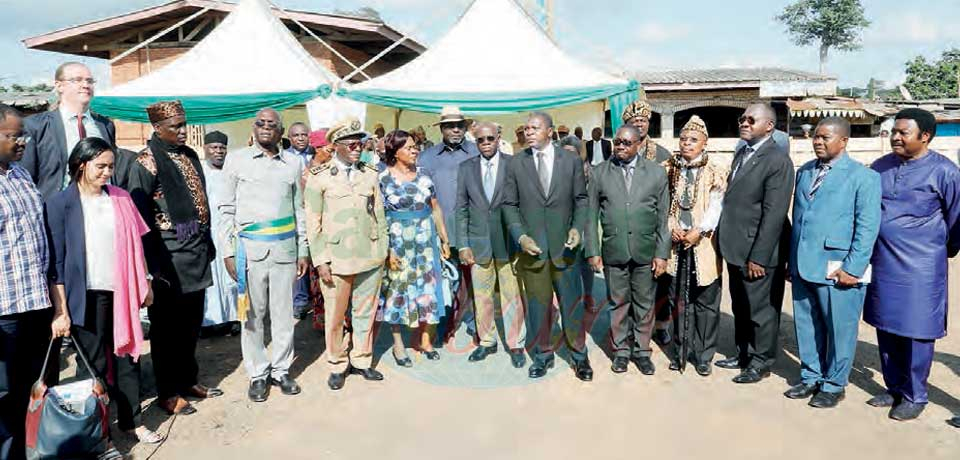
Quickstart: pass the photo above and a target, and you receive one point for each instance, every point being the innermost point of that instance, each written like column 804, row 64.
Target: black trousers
column 756, row 315
column 23, row 341
column 539, row 284
column 121, row 375
column 663, row 304
column 175, row 320
column 704, row 324
column 631, row 290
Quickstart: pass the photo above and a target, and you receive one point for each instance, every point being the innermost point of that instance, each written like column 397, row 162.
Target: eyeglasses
column 78, row 80
column 624, row 142
column 452, row 125
column 18, row 138
column 266, row 124
column 352, row 145
column 748, row 120
column 481, row 140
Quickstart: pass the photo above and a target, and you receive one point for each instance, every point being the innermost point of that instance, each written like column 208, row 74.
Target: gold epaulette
column 318, row 169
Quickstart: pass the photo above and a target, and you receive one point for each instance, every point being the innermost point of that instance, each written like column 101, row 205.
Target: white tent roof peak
column 526, row 59
column 250, row 52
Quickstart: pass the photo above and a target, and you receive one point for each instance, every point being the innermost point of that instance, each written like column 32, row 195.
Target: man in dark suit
column 56, row 132
column 751, row 235
column 630, row 198
column 597, row 145
column 545, row 209
column 485, row 248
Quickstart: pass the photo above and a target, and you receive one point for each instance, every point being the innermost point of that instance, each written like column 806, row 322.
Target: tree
column 936, row 79
column 829, row 24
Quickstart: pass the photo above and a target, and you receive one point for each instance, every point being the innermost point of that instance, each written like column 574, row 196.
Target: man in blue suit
column 836, row 218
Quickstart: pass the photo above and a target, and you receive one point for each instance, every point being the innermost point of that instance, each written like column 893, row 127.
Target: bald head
column 765, row 110
column 268, row 128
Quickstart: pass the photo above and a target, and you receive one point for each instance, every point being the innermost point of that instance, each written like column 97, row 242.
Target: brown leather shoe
column 177, row 405
column 202, row 392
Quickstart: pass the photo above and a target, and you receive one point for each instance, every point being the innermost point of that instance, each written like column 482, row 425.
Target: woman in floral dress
column 412, row 294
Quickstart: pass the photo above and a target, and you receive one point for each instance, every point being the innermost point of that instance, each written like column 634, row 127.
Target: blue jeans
column 301, row 294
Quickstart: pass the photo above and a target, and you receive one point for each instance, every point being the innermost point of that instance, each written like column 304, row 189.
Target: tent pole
column 375, row 58
column 159, row 34
column 396, row 119
column 305, row 29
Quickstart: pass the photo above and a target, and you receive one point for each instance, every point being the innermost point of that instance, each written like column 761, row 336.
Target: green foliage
column 828, row 24
column 934, row 79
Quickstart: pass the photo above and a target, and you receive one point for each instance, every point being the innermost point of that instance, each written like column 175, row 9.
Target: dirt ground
column 455, row 409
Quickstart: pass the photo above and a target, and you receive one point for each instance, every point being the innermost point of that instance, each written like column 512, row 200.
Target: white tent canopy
column 250, row 61
column 528, row 72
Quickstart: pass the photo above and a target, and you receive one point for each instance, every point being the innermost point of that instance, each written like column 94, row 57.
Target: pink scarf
column 130, row 276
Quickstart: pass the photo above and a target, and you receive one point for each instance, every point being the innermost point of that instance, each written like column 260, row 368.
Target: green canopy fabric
column 204, row 109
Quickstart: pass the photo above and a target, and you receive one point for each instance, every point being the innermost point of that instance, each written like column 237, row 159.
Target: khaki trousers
column 486, row 278
column 359, row 293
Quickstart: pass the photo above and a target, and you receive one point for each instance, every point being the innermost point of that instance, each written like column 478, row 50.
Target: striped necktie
column 822, row 170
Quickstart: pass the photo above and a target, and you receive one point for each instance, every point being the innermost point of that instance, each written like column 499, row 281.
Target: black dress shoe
column 583, row 370
column 751, row 375
column 674, row 364
column 517, row 358
column 827, row 400
column 368, row 373
column 882, row 400
column 432, row 355
column 954, row 422
column 336, row 380
column 662, row 337
column 906, row 410
column 481, row 353
column 539, row 367
column 259, row 390
column 729, row 363
column 402, row 362
column 645, row 365
column 619, row 365
column 288, row 385
column 704, row 369
column 801, row 391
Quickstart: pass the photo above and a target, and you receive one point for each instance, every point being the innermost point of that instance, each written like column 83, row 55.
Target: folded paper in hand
column 834, row 265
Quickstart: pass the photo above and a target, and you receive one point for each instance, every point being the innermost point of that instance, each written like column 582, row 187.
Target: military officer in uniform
column 347, row 233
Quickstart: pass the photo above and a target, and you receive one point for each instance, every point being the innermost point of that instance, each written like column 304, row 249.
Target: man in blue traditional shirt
column 919, row 230
column 442, row 162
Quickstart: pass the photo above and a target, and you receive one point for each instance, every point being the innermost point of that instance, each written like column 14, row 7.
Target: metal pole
column 159, row 34
column 375, row 58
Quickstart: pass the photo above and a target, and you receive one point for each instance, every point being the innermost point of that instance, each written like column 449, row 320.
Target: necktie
column 822, row 170
column 747, row 152
column 488, row 181
column 628, row 175
column 542, row 172
column 81, row 130
column 686, row 201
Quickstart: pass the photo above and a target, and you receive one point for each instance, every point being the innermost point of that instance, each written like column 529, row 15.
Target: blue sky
column 616, row 35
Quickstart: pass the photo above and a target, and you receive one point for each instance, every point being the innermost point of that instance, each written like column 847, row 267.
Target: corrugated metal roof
column 728, row 75
column 30, row 100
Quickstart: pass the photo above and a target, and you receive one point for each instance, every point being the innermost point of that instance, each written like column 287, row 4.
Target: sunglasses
column 481, row 140
column 266, row 124
column 623, row 142
column 460, row 125
column 352, row 145
column 748, row 120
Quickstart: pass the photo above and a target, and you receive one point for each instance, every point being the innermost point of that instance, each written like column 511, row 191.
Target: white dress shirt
column 493, row 162
column 98, row 233
column 73, row 133
column 597, row 153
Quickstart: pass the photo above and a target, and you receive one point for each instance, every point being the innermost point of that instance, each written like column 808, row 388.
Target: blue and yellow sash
column 273, row 230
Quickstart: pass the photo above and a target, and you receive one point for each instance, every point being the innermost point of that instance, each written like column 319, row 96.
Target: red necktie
column 80, row 129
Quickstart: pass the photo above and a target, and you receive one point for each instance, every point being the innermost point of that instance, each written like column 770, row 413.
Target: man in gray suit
column 485, row 248
column 754, row 236
column 630, row 198
column 545, row 208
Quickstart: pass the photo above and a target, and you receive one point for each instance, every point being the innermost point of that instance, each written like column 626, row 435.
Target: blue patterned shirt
column 23, row 245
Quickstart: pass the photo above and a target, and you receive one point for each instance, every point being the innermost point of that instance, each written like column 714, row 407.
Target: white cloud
column 912, row 28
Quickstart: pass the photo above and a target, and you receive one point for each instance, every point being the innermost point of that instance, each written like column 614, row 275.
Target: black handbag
column 57, row 429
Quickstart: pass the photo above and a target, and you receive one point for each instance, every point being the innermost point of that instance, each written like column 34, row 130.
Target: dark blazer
column 45, row 157
column 68, row 250
column 605, row 146
column 123, row 163
column 634, row 222
column 546, row 215
column 480, row 222
column 754, row 226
